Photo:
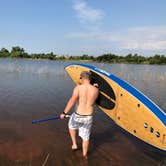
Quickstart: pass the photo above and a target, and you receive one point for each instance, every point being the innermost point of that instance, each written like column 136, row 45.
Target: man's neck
column 85, row 81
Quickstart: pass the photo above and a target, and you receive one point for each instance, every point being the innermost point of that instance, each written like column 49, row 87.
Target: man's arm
column 71, row 102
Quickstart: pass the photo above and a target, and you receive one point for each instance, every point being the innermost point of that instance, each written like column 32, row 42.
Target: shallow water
column 33, row 89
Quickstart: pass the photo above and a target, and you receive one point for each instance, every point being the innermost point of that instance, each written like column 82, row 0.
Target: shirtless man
column 82, row 118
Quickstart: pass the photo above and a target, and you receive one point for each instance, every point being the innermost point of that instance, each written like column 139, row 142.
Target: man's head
column 85, row 75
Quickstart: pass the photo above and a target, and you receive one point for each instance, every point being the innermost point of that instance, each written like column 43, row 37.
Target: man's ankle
column 74, row 146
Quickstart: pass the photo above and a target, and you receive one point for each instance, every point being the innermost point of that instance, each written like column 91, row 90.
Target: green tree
column 84, row 57
column 4, row 52
column 111, row 58
column 17, row 52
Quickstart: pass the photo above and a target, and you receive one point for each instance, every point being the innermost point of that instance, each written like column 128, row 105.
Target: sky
column 77, row 27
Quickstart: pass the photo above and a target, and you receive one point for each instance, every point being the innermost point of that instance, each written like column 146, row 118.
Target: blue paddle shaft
column 48, row 119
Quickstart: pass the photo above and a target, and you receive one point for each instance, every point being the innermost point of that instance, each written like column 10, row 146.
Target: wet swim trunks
column 82, row 123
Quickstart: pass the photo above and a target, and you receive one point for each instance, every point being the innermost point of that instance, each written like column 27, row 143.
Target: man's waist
column 83, row 114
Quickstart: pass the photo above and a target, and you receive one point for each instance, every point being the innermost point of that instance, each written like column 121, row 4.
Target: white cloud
column 145, row 38
column 135, row 39
column 86, row 13
column 146, row 45
column 85, row 35
column 138, row 38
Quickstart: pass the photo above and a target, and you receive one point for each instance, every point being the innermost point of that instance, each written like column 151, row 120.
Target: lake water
column 34, row 89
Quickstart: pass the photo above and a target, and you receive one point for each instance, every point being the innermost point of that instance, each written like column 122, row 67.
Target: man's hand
column 62, row 116
column 96, row 85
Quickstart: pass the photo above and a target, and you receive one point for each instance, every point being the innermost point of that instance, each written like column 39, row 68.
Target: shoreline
column 81, row 60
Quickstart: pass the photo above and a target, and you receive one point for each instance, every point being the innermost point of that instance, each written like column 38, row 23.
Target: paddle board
column 127, row 106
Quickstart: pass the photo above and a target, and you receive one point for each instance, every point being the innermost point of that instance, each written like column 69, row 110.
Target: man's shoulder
column 94, row 88
column 78, row 86
column 90, row 85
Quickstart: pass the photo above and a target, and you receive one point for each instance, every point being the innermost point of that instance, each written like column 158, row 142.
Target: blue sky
column 81, row 27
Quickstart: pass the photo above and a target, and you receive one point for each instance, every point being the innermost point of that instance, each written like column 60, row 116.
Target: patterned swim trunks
column 82, row 123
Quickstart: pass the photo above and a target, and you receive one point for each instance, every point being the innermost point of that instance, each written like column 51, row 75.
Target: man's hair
column 85, row 75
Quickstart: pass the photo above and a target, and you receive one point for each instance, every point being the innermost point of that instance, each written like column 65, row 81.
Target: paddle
column 48, row 119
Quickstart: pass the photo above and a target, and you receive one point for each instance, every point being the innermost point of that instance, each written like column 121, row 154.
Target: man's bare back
column 87, row 95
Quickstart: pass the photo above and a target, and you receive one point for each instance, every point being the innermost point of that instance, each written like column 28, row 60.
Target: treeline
column 18, row 52
column 135, row 59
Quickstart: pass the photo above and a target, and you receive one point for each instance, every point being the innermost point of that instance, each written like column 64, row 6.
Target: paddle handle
column 48, row 119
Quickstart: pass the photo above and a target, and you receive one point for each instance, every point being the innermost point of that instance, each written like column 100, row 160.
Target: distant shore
column 18, row 52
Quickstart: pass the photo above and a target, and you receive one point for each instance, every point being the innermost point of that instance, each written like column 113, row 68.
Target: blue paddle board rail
column 132, row 90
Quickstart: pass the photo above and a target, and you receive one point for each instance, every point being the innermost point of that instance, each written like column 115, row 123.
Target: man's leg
column 73, row 138
column 85, row 145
